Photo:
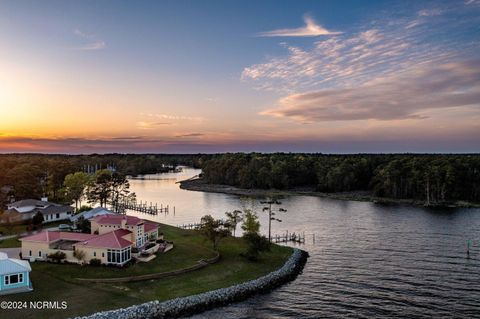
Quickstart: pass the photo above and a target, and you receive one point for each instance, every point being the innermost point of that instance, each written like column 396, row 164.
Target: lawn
column 22, row 228
column 10, row 243
column 188, row 249
column 54, row 282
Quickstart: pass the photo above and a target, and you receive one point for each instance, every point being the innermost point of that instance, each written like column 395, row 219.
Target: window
column 13, row 279
column 94, row 254
column 103, row 254
column 39, row 254
column 118, row 256
column 58, row 215
column 29, row 252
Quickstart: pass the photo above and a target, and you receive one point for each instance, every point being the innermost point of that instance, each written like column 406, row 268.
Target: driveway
column 11, row 252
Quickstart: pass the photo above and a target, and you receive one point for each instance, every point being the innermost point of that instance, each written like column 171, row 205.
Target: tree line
column 433, row 178
column 37, row 175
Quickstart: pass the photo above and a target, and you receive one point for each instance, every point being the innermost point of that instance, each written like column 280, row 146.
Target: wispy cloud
column 190, row 135
column 394, row 97
column 430, row 12
column 311, row 29
column 150, row 125
column 92, row 42
column 173, row 117
column 386, row 46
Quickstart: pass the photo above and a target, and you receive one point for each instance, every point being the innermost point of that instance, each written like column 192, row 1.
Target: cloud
column 430, row 12
column 173, row 117
column 394, row 97
column 150, row 125
column 92, row 42
column 384, row 46
column 190, row 135
column 311, row 29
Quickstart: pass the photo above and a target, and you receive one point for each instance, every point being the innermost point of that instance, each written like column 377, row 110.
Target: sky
column 227, row 76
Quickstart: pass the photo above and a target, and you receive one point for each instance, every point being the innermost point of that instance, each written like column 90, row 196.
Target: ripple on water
column 369, row 261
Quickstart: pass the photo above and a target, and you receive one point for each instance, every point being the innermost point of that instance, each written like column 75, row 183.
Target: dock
column 298, row 238
column 143, row 207
column 190, row 226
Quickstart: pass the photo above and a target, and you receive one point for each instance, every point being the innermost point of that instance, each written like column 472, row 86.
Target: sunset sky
column 216, row 76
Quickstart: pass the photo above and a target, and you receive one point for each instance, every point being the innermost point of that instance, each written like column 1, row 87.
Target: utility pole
column 271, row 213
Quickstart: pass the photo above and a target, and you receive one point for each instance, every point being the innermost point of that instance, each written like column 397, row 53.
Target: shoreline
column 194, row 304
column 362, row 196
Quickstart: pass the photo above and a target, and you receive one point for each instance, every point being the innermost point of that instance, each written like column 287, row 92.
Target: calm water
column 368, row 260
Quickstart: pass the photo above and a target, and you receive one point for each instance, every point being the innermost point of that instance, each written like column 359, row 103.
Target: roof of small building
column 41, row 206
column 117, row 220
column 113, row 239
column 12, row 265
column 29, row 202
column 97, row 211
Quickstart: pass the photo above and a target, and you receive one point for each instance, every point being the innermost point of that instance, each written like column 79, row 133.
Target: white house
column 14, row 275
column 27, row 208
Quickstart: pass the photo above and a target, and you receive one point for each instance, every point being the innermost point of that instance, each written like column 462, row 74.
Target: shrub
column 95, row 262
column 37, row 219
column 149, row 245
column 255, row 245
column 57, row 256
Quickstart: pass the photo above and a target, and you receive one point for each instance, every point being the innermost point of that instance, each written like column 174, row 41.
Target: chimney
column 124, row 222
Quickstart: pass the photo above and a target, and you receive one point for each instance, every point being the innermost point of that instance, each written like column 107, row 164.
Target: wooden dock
column 143, row 207
column 190, row 226
column 298, row 238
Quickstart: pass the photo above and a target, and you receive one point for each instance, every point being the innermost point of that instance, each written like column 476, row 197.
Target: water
column 368, row 260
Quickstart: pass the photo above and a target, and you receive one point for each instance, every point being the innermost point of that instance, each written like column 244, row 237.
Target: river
column 368, row 260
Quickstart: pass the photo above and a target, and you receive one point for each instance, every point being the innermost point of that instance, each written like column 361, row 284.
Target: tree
column 214, row 230
column 271, row 214
column 79, row 255
column 99, row 189
column 250, row 222
column 120, row 190
column 255, row 245
column 37, row 219
column 75, row 185
column 107, row 186
column 233, row 219
column 84, row 225
column 84, row 208
column 9, row 219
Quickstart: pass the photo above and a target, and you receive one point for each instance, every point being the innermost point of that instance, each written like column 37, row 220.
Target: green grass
column 54, row 282
column 188, row 249
column 22, row 228
column 10, row 243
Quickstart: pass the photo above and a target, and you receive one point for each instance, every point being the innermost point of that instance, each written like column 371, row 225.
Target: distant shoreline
column 364, row 196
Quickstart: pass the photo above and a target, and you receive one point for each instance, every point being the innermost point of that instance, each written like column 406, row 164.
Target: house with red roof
column 111, row 241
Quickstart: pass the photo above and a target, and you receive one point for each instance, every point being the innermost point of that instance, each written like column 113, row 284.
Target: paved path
column 8, row 236
column 11, row 252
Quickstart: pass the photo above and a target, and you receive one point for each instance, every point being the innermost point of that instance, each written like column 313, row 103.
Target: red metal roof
column 117, row 219
column 149, row 226
column 111, row 239
column 51, row 236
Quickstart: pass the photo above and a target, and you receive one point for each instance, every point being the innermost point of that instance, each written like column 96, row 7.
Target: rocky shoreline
column 190, row 305
column 201, row 186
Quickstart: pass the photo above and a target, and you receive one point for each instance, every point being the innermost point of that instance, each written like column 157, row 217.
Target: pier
column 298, row 238
column 190, row 226
column 143, row 207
